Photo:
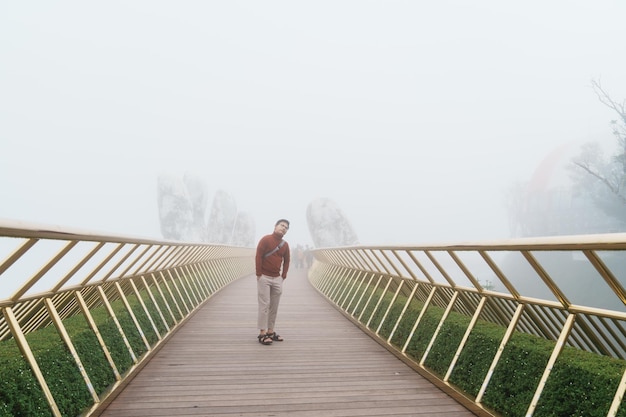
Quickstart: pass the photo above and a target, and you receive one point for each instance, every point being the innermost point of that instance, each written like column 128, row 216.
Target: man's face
column 281, row 228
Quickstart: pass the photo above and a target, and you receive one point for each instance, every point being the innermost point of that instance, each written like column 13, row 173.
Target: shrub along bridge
column 120, row 326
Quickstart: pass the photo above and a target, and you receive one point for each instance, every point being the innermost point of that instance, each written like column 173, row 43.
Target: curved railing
column 141, row 289
column 434, row 306
column 129, row 295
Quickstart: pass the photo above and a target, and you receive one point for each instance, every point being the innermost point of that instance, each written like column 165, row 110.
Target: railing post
column 555, row 354
column 28, row 355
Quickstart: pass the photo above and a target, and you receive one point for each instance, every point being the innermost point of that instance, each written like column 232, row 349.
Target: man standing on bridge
column 272, row 263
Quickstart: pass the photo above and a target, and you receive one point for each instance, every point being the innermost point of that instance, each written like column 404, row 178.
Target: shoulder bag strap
column 280, row 245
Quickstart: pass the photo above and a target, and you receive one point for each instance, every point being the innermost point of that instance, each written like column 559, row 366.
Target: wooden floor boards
column 214, row 366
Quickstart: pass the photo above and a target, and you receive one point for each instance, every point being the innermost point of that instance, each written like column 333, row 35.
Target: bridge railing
column 128, row 292
column 566, row 290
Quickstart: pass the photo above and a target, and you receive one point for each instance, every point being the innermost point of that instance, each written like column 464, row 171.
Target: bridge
column 121, row 326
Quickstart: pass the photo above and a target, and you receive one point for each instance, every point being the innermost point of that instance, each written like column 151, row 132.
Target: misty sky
column 413, row 116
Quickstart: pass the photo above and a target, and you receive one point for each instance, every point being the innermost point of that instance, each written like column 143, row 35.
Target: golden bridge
column 122, row 326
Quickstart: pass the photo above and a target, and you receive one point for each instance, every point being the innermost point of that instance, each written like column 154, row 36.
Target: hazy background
column 413, row 116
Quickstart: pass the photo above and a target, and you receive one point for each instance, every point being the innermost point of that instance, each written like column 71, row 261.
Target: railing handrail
column 147, row 287
column 450, row 276
column 21, row 229
column 605, row 241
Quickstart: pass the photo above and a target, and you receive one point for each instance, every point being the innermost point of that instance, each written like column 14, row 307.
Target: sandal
column 275, row 337
column 265, row 339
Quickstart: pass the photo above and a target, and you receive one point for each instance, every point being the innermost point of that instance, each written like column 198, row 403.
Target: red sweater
column 271, row 265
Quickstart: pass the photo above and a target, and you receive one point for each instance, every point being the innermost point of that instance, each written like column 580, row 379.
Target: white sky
column 413, row 116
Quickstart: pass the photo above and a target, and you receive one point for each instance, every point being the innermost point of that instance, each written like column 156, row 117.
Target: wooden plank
column 214, row 366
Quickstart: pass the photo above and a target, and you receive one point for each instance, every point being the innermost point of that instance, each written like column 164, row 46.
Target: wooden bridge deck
column 214, row 366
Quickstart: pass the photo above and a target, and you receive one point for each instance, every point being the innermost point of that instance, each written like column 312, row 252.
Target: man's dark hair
column 282, row 220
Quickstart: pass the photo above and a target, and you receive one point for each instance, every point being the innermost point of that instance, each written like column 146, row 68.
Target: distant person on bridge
column 272, row 264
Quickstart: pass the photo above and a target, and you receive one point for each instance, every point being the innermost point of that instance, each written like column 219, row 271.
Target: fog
column 414, row 117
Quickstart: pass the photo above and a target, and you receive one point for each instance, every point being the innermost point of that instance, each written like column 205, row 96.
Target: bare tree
column 604, row 180
column 618, row 126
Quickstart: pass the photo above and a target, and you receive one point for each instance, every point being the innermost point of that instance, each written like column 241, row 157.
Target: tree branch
column 603, row 96
column 614, row 190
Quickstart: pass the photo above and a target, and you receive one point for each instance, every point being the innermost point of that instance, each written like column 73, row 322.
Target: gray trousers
column 269, row 290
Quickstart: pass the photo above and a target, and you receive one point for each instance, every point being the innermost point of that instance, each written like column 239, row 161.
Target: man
column 272, row 264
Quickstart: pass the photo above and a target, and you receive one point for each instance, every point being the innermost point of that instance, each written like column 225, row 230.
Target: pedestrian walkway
column 214, row 366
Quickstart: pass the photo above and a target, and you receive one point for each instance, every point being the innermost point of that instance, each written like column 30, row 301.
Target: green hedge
column 21, row 394
column 580, row 384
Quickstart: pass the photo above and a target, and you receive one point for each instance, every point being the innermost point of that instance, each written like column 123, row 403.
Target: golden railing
column 48, row 275
column 569, row 290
